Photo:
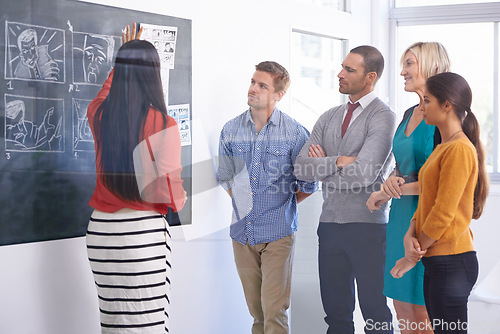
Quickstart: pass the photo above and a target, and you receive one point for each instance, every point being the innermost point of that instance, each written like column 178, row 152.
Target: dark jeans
column 448, row 281
column 348, row 253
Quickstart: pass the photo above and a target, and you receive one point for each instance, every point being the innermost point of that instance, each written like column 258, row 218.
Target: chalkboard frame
column 45, row 186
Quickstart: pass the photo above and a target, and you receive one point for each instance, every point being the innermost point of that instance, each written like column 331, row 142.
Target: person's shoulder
column 235, row 121
column 291, row 123
column 410, row 109
column 287, row 119
column 380, row 112
column 328, row 114
column 462, row 146
column 377, row 105
column 171, row 121
column 157, row 121
column 238, row 118
column 335, row 109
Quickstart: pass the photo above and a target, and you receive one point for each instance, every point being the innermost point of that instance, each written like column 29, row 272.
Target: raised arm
column 127, row 36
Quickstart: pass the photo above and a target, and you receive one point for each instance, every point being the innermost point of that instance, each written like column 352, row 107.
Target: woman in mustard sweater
column 453, row 185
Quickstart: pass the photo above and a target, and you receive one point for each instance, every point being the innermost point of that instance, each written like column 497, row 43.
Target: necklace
column 453, row 135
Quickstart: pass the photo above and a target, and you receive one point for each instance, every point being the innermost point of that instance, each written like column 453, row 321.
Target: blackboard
column 47, row 159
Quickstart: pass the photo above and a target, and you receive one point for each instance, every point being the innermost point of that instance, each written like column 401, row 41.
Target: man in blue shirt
column 257, row 151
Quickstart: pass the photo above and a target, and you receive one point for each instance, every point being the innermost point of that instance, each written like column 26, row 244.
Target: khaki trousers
column 265, row 272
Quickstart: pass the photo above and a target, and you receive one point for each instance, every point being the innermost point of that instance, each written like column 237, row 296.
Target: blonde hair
column 432, row 58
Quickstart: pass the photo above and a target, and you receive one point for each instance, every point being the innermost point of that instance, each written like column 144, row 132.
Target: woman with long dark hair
column 138, row 179
column 453, row 186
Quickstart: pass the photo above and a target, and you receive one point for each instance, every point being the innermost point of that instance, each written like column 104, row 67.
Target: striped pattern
column 129, row 254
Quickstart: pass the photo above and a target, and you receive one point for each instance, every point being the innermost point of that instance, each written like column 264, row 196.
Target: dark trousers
column 348, row 252
column 448, row 281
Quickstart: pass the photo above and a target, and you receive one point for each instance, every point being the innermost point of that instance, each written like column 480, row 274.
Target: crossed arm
column 347, row 171
column 316, row 151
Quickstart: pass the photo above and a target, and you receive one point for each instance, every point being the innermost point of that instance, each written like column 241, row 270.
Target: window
column 416, row 3
column 341, row 5
column 315, row 63
column 470, row 34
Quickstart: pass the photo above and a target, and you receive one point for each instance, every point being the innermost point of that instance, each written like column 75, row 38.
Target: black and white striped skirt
column 129, row 253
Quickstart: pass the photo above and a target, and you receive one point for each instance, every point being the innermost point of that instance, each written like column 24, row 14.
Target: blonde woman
column 413, row 142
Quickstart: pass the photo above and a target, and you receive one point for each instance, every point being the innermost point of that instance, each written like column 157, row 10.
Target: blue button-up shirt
column 258, row 168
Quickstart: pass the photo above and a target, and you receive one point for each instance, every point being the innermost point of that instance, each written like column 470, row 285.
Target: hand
column 413, row 250
column 46, row 118
column 402, row 266
column 126, row 37
column 377, row 198
column 316, row 151
column 51, row 71
column 392, row 186
column 343, row 161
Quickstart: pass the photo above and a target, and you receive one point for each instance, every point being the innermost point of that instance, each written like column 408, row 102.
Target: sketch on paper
column 34, row 53
column 82, row 135
column 33, row 124
column 164, row 39
column 92, row 58
column 181, row 115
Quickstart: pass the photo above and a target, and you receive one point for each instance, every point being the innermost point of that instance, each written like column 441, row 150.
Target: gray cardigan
column 346, row 190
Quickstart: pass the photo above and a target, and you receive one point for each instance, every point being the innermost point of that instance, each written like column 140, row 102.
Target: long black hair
column 453, row 88
column 120, row 119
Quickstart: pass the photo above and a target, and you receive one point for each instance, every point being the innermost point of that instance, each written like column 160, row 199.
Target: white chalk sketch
column 164, row 39
column 33, row 124
column 83, row 141
column 180, row 113
column 92, row 58
column 34, row 53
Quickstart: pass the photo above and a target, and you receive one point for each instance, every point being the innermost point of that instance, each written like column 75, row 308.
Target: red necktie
column 348, row 116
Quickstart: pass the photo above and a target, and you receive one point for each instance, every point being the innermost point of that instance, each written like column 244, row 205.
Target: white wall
column 47, row 288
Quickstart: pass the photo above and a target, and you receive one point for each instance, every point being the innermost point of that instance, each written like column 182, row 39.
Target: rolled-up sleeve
column 305, row 186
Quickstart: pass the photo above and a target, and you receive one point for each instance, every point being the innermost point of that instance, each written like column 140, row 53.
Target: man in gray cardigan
column 349, row 150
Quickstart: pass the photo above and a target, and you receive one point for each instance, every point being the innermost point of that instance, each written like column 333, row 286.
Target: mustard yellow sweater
column 446, row 186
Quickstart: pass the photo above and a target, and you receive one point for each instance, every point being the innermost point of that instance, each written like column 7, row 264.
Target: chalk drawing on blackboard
column 92, row 58
column 33, row 124
column 82, row 135
column 34, row 53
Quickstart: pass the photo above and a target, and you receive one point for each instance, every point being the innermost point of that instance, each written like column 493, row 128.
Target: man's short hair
column 14, row 108
column 280, row 75
column 26, row 36
column 374, row 61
